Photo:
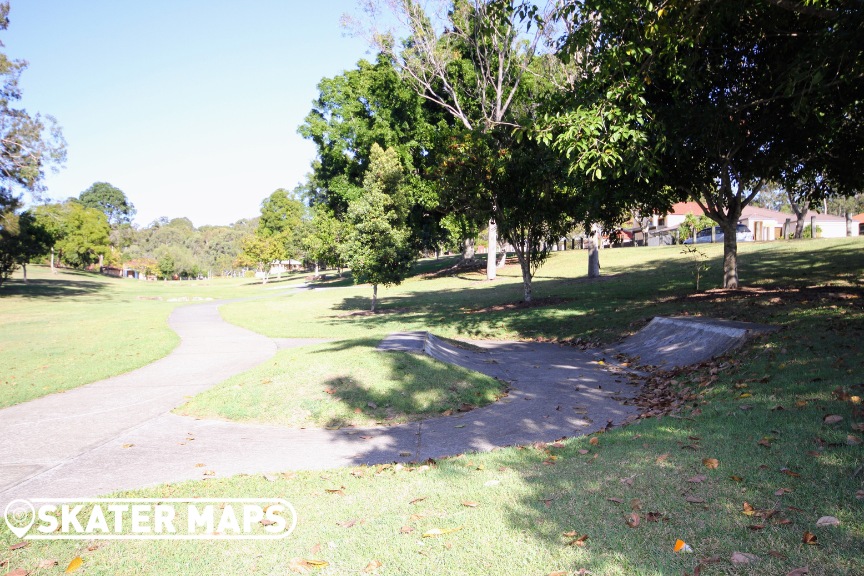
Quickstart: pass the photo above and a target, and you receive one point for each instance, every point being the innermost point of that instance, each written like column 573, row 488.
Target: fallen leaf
column 859, row 426
column 782, row 491
column 776, row 554
column 790, row 472
column 17, row 572
column 828, row 521
column 832, row 419
column 416, row 500
column 469, row 504
column 616, row 500
column 748, row 509
column 372, row 566
column 859, row 494
column 654, row 516
column 47, row 563
column 209, row 473
column 744, row 558
column 764, row 442
column 711, row 463
column 698, row 478
column 315, row 549
column 635, row 504
column 74, row 565
column 340, row 491
column 755, row 527
column 440, row 532
column 19, row 545
column 594, row 441
column 627, row 481
column 695, row 499
column 579, row 542
column 681, row 546
column 798, row 572
column 632, row 520
column 128, row 445
column 662, row 458
column 406, row 529
column 303, row 565
column 809, row 538
column 558, row 573
column 347, row 523
column 736, row 478
column 852, row 440
column 583, row 451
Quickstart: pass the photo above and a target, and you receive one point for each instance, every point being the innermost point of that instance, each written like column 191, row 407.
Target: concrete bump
column 672, row 342
column 404, row 342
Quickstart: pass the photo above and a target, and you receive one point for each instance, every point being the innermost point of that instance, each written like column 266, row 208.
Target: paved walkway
column 120, row 433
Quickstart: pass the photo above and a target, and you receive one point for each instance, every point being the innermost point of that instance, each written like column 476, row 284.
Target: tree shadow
column 51, row 287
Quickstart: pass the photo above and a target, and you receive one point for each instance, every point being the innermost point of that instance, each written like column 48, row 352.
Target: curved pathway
column 120, row 433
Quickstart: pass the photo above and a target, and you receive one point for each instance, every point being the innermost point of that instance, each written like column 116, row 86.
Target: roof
column 684, row 208
column 858, row 217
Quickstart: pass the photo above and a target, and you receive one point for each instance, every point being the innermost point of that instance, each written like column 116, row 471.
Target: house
column 859, row 218
column 766, row 224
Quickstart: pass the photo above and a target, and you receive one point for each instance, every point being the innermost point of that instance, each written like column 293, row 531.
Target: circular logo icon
column 20, row 516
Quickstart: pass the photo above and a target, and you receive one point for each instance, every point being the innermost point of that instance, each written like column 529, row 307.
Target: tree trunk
column 525, row 264
column 503, row 260
column 730, row 254
column 800, row 210
column 24, row 269
column 593, row 257
column 374, row 297
column 316, row 269
column 491, row 270
column 101, row 261
column 468, row 250
column 53, row 271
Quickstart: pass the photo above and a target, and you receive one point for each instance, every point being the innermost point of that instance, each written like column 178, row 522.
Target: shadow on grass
column 51, row 288
column 419, row 387
column 613, row 307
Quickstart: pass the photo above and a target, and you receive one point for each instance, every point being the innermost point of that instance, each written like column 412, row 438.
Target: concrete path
column 120, row 434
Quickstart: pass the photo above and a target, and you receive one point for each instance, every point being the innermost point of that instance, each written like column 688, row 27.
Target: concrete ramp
column 681, row 341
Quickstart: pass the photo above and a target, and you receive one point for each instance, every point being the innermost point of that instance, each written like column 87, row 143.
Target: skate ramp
column 680, row 341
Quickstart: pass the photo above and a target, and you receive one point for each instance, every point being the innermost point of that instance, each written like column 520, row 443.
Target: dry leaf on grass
column 74, row 565
column 304, row 565
column 698, row 478
column 469, row 504
column 19, row 545
column 832, row 419
column 416, row 500
column 440, row 532
column 594, row 441
column 809, row 538
column 799, row 572
column 828, row 521
column 695, row 499
column 711, row 463
column 372, row 566
column 632, row 520
column 744, row 558
column 47, row 563
column 406, row 529
column 615, row 500
column 17, row 572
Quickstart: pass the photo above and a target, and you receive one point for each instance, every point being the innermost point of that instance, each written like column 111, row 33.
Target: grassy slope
column 812, row 290
column 61, row 331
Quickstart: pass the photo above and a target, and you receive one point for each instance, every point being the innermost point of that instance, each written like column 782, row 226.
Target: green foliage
column 79, row 234
column 325, row 235
column 692, row 222
column 379, row 248
column 28, row 144
column 109, row 200
column 22, row 238
column 808, row 231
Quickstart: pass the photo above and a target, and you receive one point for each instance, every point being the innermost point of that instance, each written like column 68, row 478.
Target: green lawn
column 71, row 328
column 761, row 414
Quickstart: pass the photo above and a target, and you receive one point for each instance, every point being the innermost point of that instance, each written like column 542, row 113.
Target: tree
column 725, row 96
column 378, row 248
column 22, row 238
column 469, row 58
column 80, row 234
column 260, row 252
column 109, row 200
column 325, row 235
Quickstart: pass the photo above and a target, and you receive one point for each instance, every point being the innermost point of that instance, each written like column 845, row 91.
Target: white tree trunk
column 593, row 254
column 374, row 297
column 491, row 271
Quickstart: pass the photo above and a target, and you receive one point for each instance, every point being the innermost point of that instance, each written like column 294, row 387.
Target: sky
column 190, row 107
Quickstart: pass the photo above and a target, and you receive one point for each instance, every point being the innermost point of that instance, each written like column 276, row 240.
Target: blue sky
column 191, row 107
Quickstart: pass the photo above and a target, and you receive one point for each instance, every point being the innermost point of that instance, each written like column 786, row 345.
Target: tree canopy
column 111, row 201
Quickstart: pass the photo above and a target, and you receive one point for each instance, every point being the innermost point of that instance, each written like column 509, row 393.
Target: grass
column 760, row 413
column 344, row 383
column 72, row 328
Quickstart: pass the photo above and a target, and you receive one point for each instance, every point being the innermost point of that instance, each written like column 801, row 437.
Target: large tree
column 468, row 57
column 28, row 145
column 723, row 96
column 111, row 201
column 80, row 234
column 379, row 248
